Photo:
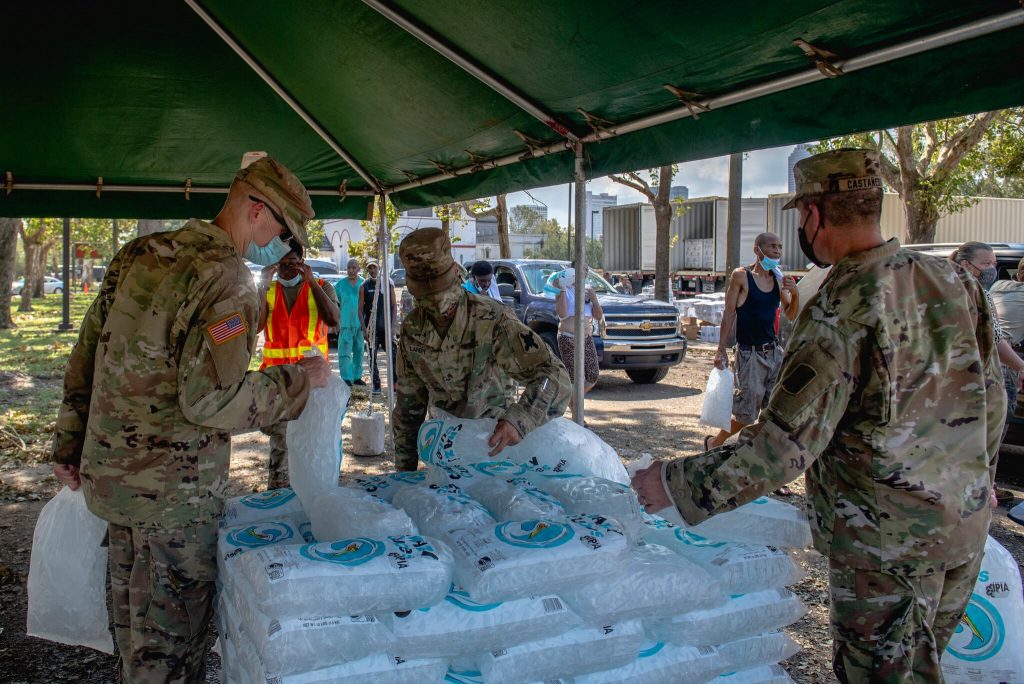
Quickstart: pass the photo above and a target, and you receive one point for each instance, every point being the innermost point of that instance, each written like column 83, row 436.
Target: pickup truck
column 640, row 337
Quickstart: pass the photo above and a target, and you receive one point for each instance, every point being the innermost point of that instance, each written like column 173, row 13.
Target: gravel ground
column 657, row 419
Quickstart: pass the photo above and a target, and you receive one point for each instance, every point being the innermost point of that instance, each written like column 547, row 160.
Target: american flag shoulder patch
column 226, row 329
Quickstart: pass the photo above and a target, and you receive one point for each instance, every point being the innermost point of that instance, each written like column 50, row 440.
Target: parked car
column 398, row 277
column 640, row 337
column 51, row 285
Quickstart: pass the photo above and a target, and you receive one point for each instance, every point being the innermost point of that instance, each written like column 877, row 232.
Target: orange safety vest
column 291, row 333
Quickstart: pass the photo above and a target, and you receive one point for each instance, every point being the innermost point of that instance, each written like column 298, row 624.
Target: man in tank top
column 751, row 307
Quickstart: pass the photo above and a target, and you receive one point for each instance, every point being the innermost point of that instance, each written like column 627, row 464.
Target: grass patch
column 33, row 357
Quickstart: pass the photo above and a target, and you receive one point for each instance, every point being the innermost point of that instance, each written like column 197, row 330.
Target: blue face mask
column 769, row 264
column 267, row 255
column 291, row 282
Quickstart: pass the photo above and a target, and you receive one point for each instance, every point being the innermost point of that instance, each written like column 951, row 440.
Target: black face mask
column 807, row 246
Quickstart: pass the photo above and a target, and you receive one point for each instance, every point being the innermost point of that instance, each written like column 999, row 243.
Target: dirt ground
column 657, row 419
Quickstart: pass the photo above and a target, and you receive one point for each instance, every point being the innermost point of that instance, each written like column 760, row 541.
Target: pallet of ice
column 349, row 576
column 762, row 521
column 343, row 512
column 441, row 510
column 599, row 496
column 653, row 582
column 514, row 499
column 536, row 557
column 460, row 626
column 763, row 674
column 739, row 617
column 576, row 652
column 761, row 649
column 387, row 485
column 661, row 663
column 232, row 542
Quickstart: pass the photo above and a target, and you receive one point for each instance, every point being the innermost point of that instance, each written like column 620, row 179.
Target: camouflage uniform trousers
column 162, row 584
column 277, row 468
column 889, row 628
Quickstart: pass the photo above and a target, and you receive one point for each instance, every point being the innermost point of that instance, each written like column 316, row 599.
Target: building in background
column 339, row 233
column 540, row 209
column 799, row 152
column 595, row 203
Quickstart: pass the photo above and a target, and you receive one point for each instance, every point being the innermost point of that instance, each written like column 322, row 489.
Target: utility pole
column 734, row 224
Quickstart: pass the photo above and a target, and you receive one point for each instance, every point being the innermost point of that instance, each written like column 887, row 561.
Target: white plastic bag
column 653, row 582
column 346, row 512
column 387, row 485
column 739, row 617
column 314, row 458
column 740, row 568
column 764, row 674
column 232, row 542
column 439, row 511
column 660, row 663
column 986, row 646
column 460, row 626
column 717, row 408
column 556, row 448
column 762, row 521
column 576, row 652
column 536, row 557
column 351, row 576
column 272, row 504
column 515, row 499
column 599, row 496
column 67, row 592
column 761, row 649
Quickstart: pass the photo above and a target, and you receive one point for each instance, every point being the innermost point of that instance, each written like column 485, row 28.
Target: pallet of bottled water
column 538, row 565
column 710, row 333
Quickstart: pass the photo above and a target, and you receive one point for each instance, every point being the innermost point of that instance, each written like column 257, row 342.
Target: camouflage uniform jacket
column 158, row 380
column 890, row 399
column 465, row 373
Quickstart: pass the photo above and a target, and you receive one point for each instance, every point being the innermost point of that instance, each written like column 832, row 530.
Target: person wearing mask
column 368, row 292
column 481, row 280
column 565, row 308
column 890, row 400
column 456, row 351
column 350, row 328
column 296, row 311
column 154, row 387
column 751, row 307
column 1008, row 297
column 978, row 259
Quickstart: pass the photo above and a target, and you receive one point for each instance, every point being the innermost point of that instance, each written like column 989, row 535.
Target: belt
column 767, row 346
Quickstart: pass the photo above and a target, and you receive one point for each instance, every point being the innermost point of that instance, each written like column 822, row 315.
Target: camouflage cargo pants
column 887, row 628
column 162, row 585
column 277, row 469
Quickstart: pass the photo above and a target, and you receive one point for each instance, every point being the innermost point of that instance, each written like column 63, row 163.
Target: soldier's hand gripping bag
column 67, row 596
column 986, row 645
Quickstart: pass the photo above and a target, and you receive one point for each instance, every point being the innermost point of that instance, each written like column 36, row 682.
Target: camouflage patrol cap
column 282, row 189
column 429, row 266
column 840, row 170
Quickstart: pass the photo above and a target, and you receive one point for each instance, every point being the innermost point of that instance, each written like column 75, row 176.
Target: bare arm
column 359, row 309
column 737, row 282
column 561, row 305
column 326, row 304
column 394, row 310
column 790, row 297
column 598, row 312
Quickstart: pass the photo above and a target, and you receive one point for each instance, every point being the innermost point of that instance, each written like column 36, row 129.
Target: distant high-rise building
column 541, row 210
column 675, row 192
column 799, row 152
column 593, row 217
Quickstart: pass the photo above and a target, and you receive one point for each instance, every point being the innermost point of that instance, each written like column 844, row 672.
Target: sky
column 764, row 173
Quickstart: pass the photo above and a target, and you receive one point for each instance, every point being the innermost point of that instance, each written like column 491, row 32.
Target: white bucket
column 368, row 434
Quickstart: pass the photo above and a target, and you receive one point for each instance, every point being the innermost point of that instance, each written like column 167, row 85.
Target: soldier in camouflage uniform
column 890, row 400
column 457, row 350
column 153, row 389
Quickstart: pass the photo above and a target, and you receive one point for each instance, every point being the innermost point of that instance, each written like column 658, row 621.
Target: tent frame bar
column 945, row 38
column 170, row 189
column 282, row 93
column 470, row 66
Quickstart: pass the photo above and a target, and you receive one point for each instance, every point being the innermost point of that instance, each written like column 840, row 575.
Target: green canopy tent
column 126, row 109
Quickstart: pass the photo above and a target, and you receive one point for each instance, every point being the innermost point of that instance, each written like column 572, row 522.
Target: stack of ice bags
column 539, row 565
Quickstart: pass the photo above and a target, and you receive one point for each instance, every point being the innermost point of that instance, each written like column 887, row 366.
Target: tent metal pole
column 580, row 288
column 384, row 238
column 65, row 296
column 952, row 36
column 281, row 92
column 172, row 189
column 453, row 55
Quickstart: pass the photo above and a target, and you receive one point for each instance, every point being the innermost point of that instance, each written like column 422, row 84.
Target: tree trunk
column 113, row 239
column 663, row 223
column 31, row 260
column 504, row 248
column 150, row 226
column 39, row 280
column 8, row 255
column 922, row 217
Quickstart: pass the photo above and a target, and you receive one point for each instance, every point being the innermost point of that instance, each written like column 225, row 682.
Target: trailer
column 697, row 242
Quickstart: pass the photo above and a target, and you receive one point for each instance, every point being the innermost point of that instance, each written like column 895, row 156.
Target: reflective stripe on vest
column 290, row 334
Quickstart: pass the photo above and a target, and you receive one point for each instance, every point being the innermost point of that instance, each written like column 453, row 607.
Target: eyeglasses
column 287, row 234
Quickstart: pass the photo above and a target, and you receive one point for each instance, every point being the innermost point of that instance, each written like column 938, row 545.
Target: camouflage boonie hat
column 842, row 170
column 429, row 266
column 280, row 186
